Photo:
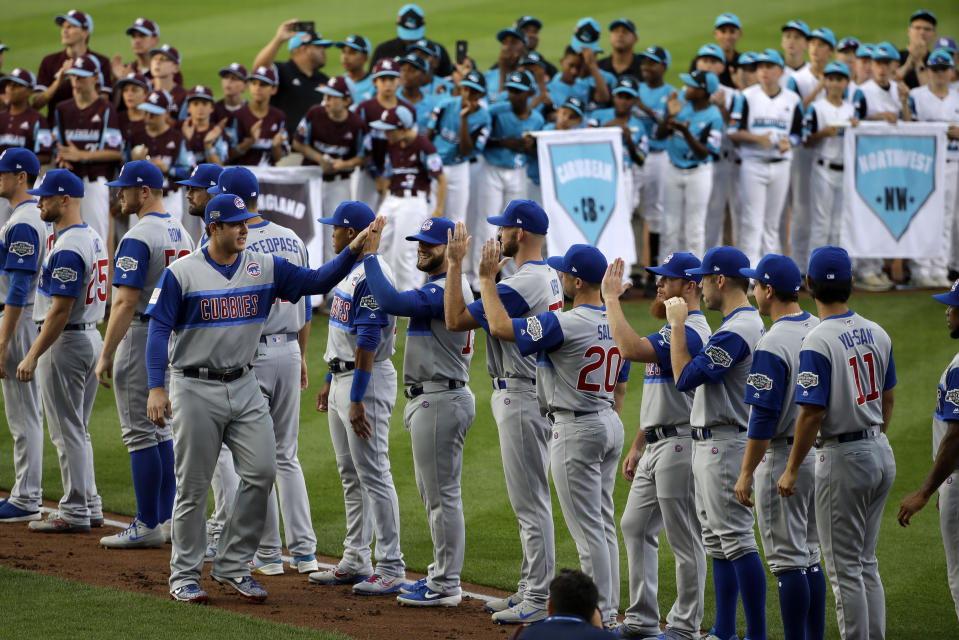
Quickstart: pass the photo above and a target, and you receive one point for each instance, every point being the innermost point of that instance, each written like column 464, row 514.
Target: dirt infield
column 292, row 600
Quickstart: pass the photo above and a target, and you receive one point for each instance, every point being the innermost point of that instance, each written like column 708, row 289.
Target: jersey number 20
column 606, row 357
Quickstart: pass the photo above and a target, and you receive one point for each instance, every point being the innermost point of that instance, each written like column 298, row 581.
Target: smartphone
column 305, row 25
column 460, row 51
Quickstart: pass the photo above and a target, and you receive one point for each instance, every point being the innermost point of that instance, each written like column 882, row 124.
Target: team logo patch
column 764, row 459
column 822, row 458
column 214, row 215
column 807, row 379
column 21, row 248
column 678, row 448
column 719, row 356
column 127, row 263
column 666, row 332
column 238, row 203
column 759, row 381
column 534, row 328
column 253, row 269
column 64, row 274
column 952, row 396
column 369, row 302
column 355, row 278
column 949, row 480
column 427, row 225
column 426, row 404
column 715, row 450
column 585, row 178
column 505, row 400
column 556, row 435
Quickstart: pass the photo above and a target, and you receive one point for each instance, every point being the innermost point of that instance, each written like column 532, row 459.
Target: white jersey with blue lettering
column 149, row 247
column 759, row 114
column 845, row 365
column 269, row 237
column 925, row 106
column 820, row 114
column 76, row 266
column 663, row 404
column 354, row 303
column 25, row 240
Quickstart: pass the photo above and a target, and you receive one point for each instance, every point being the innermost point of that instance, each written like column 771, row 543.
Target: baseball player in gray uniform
column 719, row 417
column 524, row 433
column 845, row 391
column 787, row 527
column 944, row 474
column 441, row 406
column 661, row 494
column 360, row 392
column 24, row 240
column 215, row 397
column 577, row 367
column 155, row 241
column 71, row 297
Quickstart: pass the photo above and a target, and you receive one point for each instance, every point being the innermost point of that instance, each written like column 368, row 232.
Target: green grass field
column 213, row 34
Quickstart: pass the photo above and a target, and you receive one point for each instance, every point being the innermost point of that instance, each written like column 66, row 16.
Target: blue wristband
column 361, row 379
column 329, row 377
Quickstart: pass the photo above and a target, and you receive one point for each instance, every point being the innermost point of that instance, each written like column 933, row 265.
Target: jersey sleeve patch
column 127, row 263
column 369, row 302
column 759, row 381
column 719, row 356
column 64, row 274
column 21, row 249
column 534, row 328
column 807, row 379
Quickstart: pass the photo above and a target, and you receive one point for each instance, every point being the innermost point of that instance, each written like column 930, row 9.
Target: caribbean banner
column 894, row 190
column 584, row 191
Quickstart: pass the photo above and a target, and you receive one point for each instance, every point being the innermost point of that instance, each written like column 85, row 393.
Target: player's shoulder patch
column 253, row 269
column 369, row 302
column 65, row 274
column 759, row 381
column 666, row 332
column 807, row 379
column 127, row 263
column 719, row 356
column 21, row 248
column 534, row 328
column 952, row 397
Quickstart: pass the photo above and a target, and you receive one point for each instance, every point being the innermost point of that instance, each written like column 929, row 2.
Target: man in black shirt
column 299, row 76
column 912, row 60
column 530, row 27
column 623, row 61
column 410, row 27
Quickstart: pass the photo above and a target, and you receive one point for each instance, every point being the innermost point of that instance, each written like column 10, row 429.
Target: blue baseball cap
column 951, row 298
column 797, row 25
column 779, row 271
column 139, row 173
column 525, row 214
column 848, row 43
column 399, row 117
column 299, row 39
column 837, row 67
column 355, row 42
column 747, row 58
column 825, row 34
column 514, row 32
column 520, row 80
column 725, row 261
column 829, row 263
column 532, row 57
column 350, row 213
column 628, row 85
column 676, row 265
column 204, row 176
column 706, row 80
column 727, row 18
column 238, row 180
column 474, row 80
column 528, row 20
column 58, row 182
column 424, row 46
column 770, row 56
column 657, row 54
column 227, row 207
column 433, row 231
column 941, row 58
column 586, row 36
column 923, row 14
column 575, row 104
column 885, row 51
column 17, row 159
column 416, row 61
column 410, row 22
column 623, row 22
column 581, row 260
column 711, row 51
column 947, row 43
column 865, row 51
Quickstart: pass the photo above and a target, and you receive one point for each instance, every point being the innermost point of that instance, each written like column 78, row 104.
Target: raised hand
column 613, row 286
column 458, row 243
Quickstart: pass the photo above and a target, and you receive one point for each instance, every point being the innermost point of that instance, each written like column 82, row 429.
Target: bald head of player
column 60, row 193
column 829, row 278
column 777, row 285
column 522, row 230
column 724, row 288
column 204, row 177
column 141, row 188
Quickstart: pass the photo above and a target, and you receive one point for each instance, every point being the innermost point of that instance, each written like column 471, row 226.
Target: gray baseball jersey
column 76, row 266
column 268, row 237
column 663, row 404
column 947, row 410
column 845, row 365
column 24, row 242
column 352, row 299
column 947, row 403
column 149, row 247
column 433, row 352
column 533, row 289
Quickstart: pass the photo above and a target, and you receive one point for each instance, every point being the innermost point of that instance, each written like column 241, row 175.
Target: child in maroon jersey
column 133, row 89
column 233, row 81
column 21, row 126
column 155, row 140
column 204, row 139
column 164, row 65
column 260, row 128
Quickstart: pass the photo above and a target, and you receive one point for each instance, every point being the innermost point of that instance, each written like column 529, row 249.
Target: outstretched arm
column 458, row 317
column 500, row 324
column 631, row 345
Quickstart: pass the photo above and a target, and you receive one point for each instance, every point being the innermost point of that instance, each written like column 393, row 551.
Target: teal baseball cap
column 586, row 36
column 885, row 51
column 836, row 67
column 797, row 25
column 724, row 19
column 705, row 80
column 825, row 34
column 711, row 50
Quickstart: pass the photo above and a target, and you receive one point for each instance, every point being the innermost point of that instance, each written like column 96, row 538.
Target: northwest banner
column 894, row 190
column 584, row 191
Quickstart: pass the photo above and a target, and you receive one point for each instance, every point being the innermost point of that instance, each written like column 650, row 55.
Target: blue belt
column 501, row 383
column 707, row 433
column 655, row 435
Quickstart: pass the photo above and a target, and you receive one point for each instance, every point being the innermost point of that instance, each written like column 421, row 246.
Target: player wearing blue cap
column 914, row 59
column 693, row 130
column 577, row 367
column 659, row 462
column 794, row 43
column 824, row 125
column 936, row 102
column 410, row 27
column 355, row 51
column 23, row 250
column 570, row 115
column 414, row 76
column 862, row 69
column 512, row 48
column 727, row 30
column 441, row 407
column 203, row 177
column 524, row 434
column 359, row 393
column 71, row 297
column 767, row 123
column 944, row 474
column 719, row 418
column 845, row 392
column 787, row 527
column 215, row 399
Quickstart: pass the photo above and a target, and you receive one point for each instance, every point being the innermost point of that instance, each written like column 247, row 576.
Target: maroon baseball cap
column 20, row 76
column 236, row 69
column 157, row 101
column 85, row 65
column 265, row 73
column 145, row 26
column 133, row 78
column 76, row 18
column 200, row 92
column 386, row 67
column 399, row 117
column 168, row 51
column 336, row 86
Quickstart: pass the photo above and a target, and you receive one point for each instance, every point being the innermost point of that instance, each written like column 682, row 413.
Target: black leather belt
column 417, row 389
column 831, row 165
column 228, row 375
column 140, row 317
column 707, row 433
column 79, row 326
column 851, row 436
column 667, row 432
column 341, row 366
column 330, row 177
column 774, row 160
column 289, row 337
column 576, row 414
